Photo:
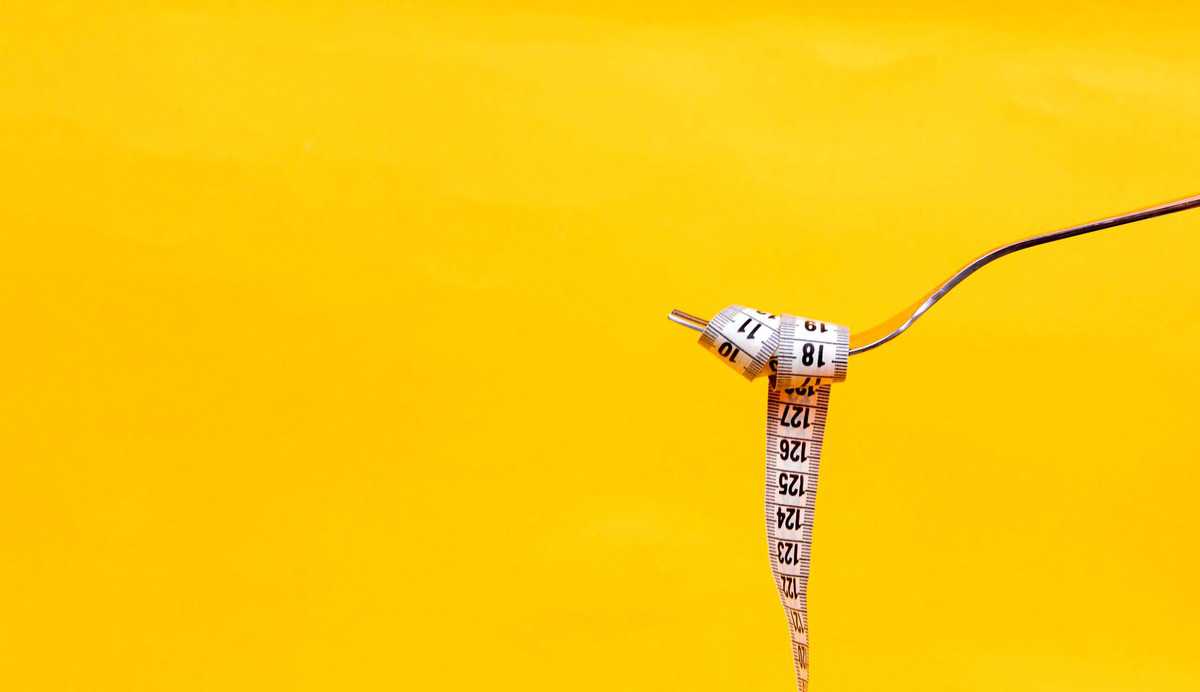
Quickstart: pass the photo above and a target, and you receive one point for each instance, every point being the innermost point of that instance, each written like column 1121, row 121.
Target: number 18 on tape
column 802, row 357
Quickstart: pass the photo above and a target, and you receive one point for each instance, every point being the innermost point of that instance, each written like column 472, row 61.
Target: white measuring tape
column 802, row 357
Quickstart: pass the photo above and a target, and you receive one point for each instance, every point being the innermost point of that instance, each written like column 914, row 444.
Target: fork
column 887, row 330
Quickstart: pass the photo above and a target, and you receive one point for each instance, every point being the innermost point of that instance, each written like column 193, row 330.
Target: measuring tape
column 801, row 357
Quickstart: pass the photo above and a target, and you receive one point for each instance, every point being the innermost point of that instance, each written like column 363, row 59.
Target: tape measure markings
column 743, row 332
column 803, row 357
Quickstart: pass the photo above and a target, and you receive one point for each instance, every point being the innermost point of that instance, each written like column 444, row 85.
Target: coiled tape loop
column 802, row 357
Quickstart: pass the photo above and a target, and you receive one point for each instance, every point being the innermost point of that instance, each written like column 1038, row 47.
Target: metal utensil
column 894, row 327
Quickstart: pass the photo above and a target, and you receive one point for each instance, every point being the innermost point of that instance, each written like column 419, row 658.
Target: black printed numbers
column 745, row 324
column 787, row 553
column 796, row 620
column 794, row 416
column 789, row 517
column 815, row 326
column 793, row 450
column 789, row 585
column 791, row 484
column 729, row 351
column 813, row 354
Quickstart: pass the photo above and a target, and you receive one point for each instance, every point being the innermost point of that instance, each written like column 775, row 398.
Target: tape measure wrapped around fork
column 803, row 357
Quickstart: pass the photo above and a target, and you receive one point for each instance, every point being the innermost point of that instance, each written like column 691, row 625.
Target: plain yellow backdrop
column 335, row 353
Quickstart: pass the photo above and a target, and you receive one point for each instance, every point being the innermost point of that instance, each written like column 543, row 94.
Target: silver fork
column 884, row 332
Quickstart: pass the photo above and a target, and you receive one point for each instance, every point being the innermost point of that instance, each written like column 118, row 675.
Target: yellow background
column 335, row 353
